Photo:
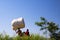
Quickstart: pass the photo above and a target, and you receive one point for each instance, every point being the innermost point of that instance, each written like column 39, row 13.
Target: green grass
column 32, row 37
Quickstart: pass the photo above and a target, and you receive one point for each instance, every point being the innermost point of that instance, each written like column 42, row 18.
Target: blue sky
column 30, row 10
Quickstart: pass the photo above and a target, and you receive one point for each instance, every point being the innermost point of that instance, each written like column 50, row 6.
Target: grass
column 32, row 37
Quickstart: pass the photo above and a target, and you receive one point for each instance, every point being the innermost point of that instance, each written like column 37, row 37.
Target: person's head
column 27, row 29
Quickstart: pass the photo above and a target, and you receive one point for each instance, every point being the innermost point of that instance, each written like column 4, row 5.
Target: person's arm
column 16, row 31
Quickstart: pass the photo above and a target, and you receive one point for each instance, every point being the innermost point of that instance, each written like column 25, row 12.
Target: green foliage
column 52, row 27
column 49, row 26
column 32, row 37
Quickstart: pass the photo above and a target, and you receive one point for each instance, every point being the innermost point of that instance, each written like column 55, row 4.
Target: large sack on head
column 18, row 23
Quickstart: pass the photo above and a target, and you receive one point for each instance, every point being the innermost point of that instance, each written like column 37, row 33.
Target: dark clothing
column 27, row 33
column 19, row 32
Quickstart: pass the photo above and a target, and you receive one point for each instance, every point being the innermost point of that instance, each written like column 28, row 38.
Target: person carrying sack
column 19, row 32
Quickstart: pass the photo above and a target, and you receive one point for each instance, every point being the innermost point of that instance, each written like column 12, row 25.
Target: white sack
column 18, row 23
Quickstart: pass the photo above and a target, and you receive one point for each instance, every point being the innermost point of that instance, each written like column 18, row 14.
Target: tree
column 49, row 26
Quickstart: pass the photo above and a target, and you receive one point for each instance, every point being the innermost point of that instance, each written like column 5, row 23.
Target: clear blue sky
column 30, row 10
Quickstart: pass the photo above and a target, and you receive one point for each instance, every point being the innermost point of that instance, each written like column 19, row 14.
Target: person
column 27, row 32
column 19, row 32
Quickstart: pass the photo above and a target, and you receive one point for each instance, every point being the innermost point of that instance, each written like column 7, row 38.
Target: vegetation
column 32, row 37
column 51, row 27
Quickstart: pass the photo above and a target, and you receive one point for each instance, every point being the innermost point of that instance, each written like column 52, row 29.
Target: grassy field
column 32, row 37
